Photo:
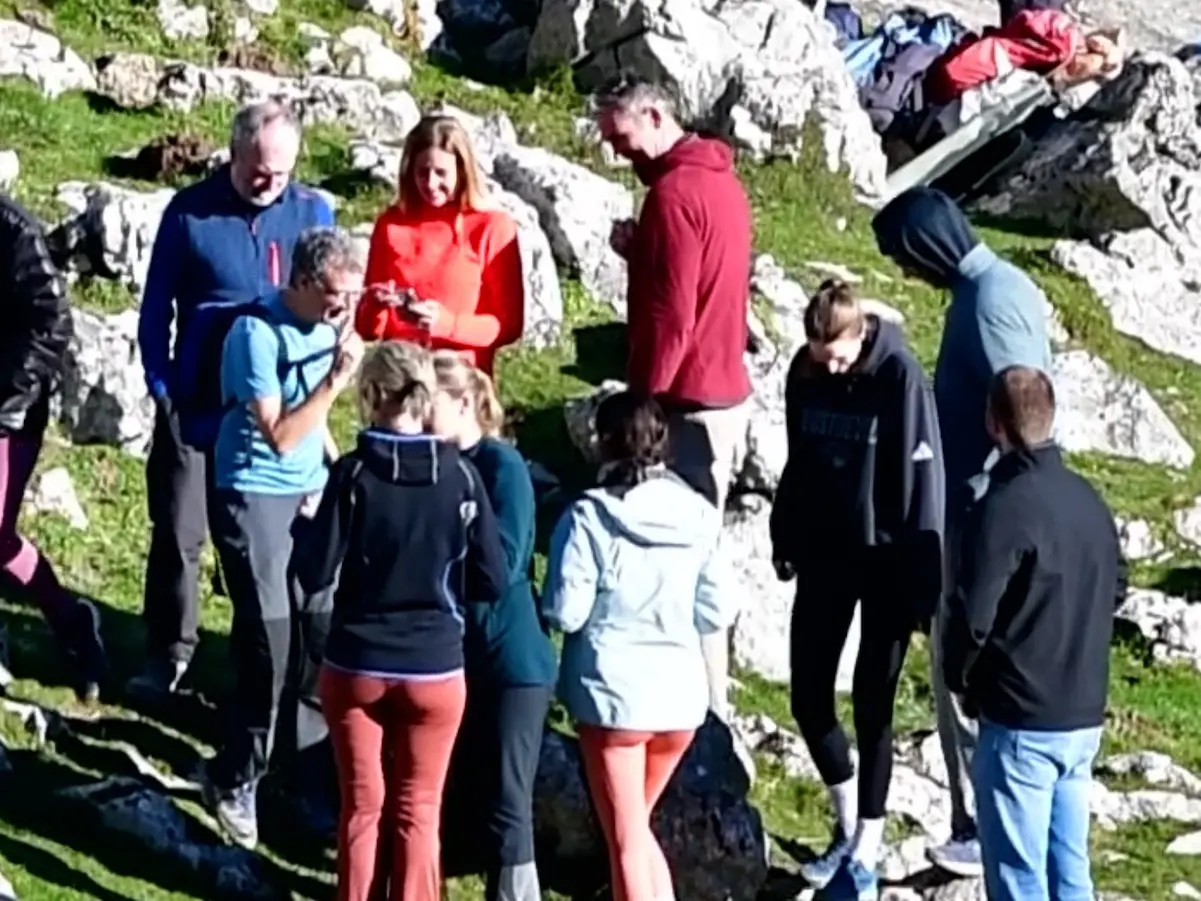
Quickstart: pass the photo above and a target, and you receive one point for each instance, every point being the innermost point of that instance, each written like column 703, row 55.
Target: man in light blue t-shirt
column 281, row 370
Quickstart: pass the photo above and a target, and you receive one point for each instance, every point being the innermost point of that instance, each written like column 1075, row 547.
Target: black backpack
column 198, row 394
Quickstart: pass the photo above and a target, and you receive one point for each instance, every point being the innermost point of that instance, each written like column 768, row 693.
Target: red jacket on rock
column 689, row 285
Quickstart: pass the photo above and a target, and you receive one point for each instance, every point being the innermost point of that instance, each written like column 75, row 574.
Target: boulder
column 104, row 398
column 759, row 70
column 138, row 81
column 28, row 52
column 1103, row 411
column 711, row 834
column 1123, row 176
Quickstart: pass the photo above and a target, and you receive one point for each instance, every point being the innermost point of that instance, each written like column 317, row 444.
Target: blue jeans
column 1032, row 790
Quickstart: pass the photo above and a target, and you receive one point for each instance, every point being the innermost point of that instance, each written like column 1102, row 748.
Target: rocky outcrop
column 760, row 70
column 28, row 52
column 1124, row 174
column 104, row 398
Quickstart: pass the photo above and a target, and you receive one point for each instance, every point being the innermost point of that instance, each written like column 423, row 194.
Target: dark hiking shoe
column 236, row 812
column 159, row 679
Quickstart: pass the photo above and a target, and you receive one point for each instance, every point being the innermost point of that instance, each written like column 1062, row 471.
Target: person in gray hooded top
column 996, row 318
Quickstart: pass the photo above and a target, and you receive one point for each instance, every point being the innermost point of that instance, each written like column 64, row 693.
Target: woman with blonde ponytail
column 405, row 521
column 510, row 661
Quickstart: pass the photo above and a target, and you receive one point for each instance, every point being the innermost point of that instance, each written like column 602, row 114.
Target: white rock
column 577, row 209
column 1172, row 625
column 763, row 69
column 1102, row 411
column 104, row 398
column 26, row 52
column 55, row 494
column 124, row 223
column 10, row 169
column 1188, row 844
column 360, row 52
column 181, row 22
column 1139, row 541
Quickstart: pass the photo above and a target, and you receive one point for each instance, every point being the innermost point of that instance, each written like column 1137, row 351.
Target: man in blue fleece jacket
column 996, row 319
column 227, row 237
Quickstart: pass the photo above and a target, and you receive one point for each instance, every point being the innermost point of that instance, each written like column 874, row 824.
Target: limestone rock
column 1171, row 624
column 760, row 70
column 577, row 209
column 136, row 81
column 118, row 226
column 10, row 169
column 54, row 493
column 712, row 836
column 104, row 398
column 27, row 52
column 1102, row 411
column 181, row 22
column 152, row 823
column 1124, row 174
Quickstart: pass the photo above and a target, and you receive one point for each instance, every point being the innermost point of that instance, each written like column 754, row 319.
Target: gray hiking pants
column 275, row 637
column 957, row 732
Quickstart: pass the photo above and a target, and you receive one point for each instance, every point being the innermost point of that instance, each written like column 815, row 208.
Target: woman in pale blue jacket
column 633, row 583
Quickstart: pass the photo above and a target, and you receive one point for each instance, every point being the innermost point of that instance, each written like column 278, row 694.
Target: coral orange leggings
column 392, row 742
column 627, row 773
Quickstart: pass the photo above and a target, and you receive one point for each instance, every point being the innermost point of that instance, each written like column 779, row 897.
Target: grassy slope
column 796, row 210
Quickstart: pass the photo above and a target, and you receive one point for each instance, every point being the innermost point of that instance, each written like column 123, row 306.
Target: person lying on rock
column 510, row 662
column 689, row 258
column 996, row 318
column 283, row 364
column 444, row 268
column 1027, row 646
column 35, row 338
column 406, row 530
column 857, row 519
column 634, row 581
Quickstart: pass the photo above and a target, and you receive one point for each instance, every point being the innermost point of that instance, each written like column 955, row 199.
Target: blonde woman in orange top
column 444, row 269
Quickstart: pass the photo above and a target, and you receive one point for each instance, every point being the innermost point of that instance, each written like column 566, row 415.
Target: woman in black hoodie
column 407, row 530
column 858, row 519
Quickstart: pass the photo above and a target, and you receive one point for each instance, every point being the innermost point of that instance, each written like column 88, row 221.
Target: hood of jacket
column 405, row 459
column 924, row 230
column 663, row 511
column 692, row 151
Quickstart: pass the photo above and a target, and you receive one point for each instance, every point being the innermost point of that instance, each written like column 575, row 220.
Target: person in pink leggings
column 33, row 303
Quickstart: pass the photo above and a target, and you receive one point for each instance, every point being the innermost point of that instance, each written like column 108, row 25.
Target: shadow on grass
column 34, row 654
column 46, row 867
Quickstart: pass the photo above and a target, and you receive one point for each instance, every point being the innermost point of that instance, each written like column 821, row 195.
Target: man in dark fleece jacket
column 996, row 318
column 1027, row 644
column 689, row 287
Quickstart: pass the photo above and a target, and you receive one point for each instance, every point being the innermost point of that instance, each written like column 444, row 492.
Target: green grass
column 799, row 210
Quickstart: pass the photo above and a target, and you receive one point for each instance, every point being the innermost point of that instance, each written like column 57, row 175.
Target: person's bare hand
column 347, row 356
column 621, row 238
column 426, row 312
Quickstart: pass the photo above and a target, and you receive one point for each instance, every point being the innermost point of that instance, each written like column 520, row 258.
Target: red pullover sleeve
column 499, row 318
column 373, row 319
column 662, row 294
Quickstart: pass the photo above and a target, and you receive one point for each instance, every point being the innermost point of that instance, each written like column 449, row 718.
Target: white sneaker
column 959, row 857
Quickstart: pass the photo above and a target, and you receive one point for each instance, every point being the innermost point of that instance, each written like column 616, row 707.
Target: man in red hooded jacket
column 689, row 258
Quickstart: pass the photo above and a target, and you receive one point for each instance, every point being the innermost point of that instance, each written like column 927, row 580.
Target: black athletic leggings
column 821, row 619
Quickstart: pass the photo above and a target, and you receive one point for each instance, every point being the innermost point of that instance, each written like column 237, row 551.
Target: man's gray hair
column 626, row 91
column 250, row 121
column 321, row 251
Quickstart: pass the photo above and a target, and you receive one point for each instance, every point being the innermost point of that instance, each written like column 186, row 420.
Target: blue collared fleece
column 213, row 245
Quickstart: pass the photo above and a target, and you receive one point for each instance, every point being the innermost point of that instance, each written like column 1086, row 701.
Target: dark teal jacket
column 504, row 643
